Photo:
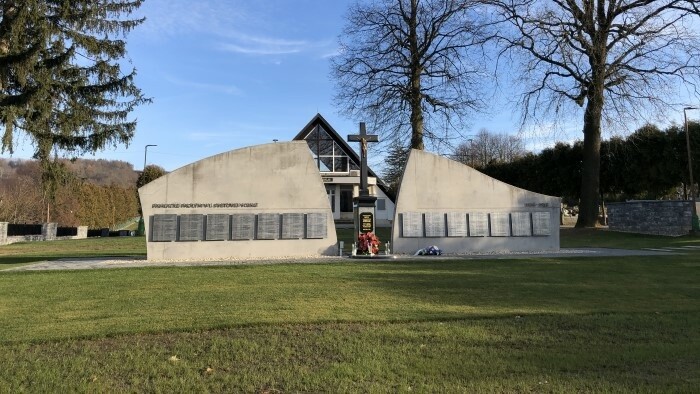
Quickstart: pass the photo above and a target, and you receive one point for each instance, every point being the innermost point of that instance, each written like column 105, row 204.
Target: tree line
column 417, row 69
column 414, row 69
column 650, row 163
column 93, row 193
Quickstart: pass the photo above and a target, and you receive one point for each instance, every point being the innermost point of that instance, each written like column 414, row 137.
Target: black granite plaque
column 500, row 224
column 434, row 224
column 457, row 224
column 292, row 225
column 218, row 227
column 164, row 228
column 243, row 226
column 540, row 223
column 412, row 225
column 366, row 222
column 316, row 226
column 268, row 226
column 478, row 224
column 521, row 224
column 191, row 227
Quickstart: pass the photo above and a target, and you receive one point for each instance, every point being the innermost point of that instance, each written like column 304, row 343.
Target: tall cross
column 363, row 138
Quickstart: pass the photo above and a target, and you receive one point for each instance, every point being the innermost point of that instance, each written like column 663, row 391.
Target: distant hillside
column 100, row 172
column 101, row 193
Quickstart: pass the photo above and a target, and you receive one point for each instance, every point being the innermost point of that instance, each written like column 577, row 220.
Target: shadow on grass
column 640, row 284
column 604, row 238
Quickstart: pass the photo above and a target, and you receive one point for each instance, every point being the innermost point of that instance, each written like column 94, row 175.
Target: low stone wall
column 48, row 233
column 672, row 218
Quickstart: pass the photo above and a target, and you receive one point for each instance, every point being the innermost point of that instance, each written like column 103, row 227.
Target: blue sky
column 225, row 74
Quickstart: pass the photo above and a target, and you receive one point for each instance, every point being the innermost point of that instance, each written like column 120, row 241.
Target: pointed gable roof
column 319, row 120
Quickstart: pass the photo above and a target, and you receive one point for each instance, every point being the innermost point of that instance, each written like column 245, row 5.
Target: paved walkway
column 131, row 262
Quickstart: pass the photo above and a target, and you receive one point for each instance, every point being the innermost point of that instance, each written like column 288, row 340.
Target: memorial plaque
column 292, row 225
column 540, row 223
column 164, row 228
column 316, row 226
column 412, row 225
column 521, row 224
column 268, row 226
column 500, row 224
column 457, row 224
column 191, row 227
column 366, row 222
column 434, row 224
column 218, row 227
column 243, row 226
column 478, row 224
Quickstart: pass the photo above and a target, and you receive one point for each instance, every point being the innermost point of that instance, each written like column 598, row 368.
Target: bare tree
column 486, row 147
column 405, row 64
column 617, row 59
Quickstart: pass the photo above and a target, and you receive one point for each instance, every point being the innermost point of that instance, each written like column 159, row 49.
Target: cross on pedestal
column 363, row 138
column 364, row 205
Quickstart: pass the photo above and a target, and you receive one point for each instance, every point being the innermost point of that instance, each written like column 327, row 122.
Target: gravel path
column 132, row 262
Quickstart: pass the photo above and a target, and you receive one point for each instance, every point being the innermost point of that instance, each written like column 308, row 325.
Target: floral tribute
column 367, row 243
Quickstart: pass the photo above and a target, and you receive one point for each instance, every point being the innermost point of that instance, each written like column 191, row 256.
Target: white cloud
column 240, row 27
column 261, row 50
column 218, row 88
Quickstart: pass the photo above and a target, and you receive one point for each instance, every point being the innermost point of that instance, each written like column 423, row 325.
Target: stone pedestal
column 82, row 232
column 48, row 231
column 3, row 233
column 365, row 215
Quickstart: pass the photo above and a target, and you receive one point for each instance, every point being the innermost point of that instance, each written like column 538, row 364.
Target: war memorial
column 270, row 201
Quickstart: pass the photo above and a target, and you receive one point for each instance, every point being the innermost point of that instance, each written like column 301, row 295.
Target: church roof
column 319, row 120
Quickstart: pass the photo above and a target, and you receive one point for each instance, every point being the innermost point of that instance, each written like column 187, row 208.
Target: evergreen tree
column 61, row 82
column 395, row 163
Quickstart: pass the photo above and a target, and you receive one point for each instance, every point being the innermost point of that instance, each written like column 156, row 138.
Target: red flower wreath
column 367, row 243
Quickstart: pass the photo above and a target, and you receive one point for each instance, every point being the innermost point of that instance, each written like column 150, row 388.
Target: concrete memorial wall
column 261, row 201
column 450, row 205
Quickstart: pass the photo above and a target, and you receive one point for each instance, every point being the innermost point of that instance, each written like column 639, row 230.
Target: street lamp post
column 695, row 223
column 142, row 225
column 145, row 154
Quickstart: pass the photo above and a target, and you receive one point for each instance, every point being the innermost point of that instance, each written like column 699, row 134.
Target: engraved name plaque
column 191, row 227
column 164, row 228
column 292, row 225
column 217, row 227
column 500, row 224
column 434, row 224
column 412, row 225
column 457, row 224
column 540, row 223
column 243, row 226
column 521, row 224
column 478, row 224
column 268, row 226
column 316, row 226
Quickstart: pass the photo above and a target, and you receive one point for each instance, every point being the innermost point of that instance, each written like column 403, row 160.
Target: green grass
column 625, row 324
column 600, row 238
column 24, row 253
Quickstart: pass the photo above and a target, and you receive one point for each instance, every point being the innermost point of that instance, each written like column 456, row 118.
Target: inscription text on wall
column 208, row 205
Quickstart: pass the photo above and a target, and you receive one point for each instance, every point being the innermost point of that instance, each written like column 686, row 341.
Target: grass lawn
column 556, row 325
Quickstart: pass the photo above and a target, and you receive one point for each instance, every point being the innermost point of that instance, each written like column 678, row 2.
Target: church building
column 340, row 171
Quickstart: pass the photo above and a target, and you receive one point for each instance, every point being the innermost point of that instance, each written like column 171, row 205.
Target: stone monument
column 364, row 203
column 450, row 205
column 256, row 202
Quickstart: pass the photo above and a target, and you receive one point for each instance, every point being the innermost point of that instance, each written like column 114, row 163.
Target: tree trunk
column 415, row 94
column 590, row 177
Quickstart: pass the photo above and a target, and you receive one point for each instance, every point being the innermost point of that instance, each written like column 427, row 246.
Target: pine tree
column 61, row 82
column 395, row 163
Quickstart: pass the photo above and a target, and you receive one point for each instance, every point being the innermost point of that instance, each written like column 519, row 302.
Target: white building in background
column 340, row 171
